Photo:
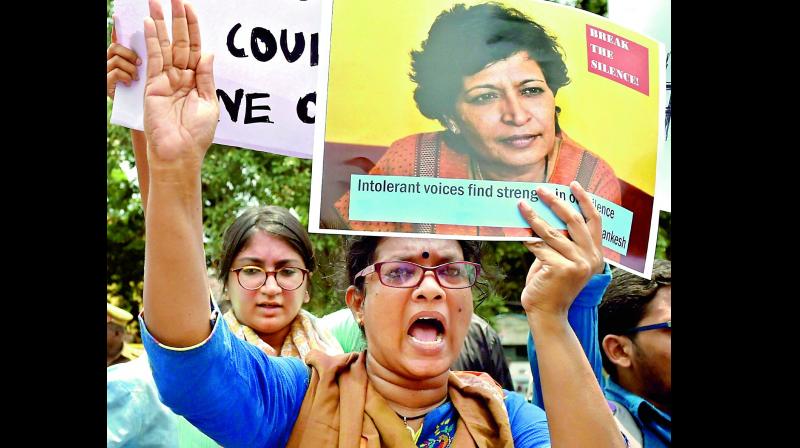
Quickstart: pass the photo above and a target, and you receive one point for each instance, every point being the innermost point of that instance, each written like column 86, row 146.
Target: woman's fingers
column 180, row 36
column 537, row 263
column 205, row 78
column 154, row 56
column 593, row 220
column 117, row 63
column 553, row 237
column 157, row 14
column 194, row 36
column 115, row 75
column 576, row 224
column 123, row 52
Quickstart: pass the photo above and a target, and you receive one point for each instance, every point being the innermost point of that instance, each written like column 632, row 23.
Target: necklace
column 479, row 175
column 406, row 419
column 417, row 417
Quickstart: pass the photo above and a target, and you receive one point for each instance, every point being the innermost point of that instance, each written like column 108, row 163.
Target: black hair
column 625, row 302
column 464, row 40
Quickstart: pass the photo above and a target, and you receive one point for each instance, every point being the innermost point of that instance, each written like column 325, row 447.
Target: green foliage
column 124, row 225
column 663, row 244
column 599, row 7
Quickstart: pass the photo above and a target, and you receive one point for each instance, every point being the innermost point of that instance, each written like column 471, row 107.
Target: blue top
column 656, row 425
column 239, row 396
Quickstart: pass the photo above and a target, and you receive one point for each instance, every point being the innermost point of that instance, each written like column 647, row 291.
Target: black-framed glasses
column 405, row 274
column 667, row 324
column 288, row 278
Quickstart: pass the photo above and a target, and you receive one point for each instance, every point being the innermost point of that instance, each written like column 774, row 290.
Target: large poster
column 440, row 115
column 265, row 68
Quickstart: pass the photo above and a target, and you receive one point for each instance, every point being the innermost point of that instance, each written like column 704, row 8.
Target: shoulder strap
column 426, row 164
column 627, row 425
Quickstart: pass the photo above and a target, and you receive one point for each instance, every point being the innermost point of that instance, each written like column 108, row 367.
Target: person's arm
column 122, row 65
column 180, row 117
column 582, row 317
column 224, row 386
column 577, row 412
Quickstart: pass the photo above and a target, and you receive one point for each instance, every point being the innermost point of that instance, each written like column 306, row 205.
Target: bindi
column 425, row 255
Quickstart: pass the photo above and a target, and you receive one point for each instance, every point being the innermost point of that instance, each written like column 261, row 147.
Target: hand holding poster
column 477, row 104
column 265, row 67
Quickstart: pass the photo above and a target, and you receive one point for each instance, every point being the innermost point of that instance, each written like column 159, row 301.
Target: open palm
column 180, row 103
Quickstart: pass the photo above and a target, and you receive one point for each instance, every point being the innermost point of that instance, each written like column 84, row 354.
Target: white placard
column 265, row 69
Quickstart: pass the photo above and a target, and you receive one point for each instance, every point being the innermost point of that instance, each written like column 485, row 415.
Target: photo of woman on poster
column 489, row 75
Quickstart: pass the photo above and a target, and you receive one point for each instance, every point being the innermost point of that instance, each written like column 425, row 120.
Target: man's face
column 651, row 360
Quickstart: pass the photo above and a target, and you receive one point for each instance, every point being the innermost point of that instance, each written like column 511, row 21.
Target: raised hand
column 563, row 265
column 180, row 103
column 121, row 65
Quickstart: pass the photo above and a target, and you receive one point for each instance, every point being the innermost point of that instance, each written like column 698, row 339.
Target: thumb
column 205, row 77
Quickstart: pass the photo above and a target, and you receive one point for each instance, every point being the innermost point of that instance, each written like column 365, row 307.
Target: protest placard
column 441, row 130
column 265, row 69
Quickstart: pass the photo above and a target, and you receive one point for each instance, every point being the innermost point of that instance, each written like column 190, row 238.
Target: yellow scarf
column 305, row 334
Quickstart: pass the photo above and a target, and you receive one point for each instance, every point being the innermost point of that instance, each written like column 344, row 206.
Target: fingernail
column 138, row 61
column 135, row 76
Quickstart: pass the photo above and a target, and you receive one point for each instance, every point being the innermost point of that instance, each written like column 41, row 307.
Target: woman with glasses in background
column 265, row 271
column 412, row 296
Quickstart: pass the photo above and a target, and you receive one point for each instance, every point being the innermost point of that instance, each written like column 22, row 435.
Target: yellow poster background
column 370, row 95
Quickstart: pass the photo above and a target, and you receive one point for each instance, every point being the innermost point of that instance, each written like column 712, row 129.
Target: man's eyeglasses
column 405, row 274
column 254, row 277
column 667, row 324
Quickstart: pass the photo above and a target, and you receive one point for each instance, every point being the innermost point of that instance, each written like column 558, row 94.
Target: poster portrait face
column 506, row 113
column 440, row 115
